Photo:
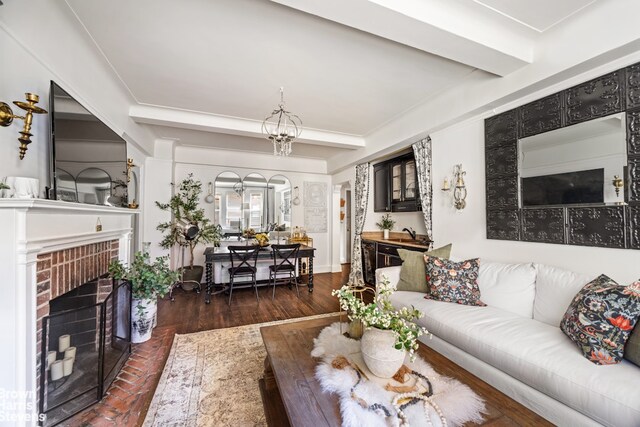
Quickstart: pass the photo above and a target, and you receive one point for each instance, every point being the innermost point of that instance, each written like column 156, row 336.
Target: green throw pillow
column 632, row 347
column 412, row 275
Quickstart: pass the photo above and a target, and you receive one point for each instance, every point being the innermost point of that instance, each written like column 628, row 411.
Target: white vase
column 385, row 234
column 142, row 320
column 379, row 353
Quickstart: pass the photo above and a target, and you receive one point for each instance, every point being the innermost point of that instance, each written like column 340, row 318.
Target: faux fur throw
column 370, row 404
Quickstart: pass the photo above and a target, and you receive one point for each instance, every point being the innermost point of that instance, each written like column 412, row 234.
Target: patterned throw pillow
column 452, row 281
column 601, row 317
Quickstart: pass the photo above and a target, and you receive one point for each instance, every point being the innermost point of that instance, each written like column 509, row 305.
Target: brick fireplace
column 72, row 281
column 62, row 271
column 48, row 248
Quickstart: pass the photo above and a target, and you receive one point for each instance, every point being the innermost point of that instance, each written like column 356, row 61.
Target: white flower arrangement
column 382, row 315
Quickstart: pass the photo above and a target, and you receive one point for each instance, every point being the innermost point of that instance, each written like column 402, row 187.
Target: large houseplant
column 149, row 280
column 184, row 208
column 389, row 333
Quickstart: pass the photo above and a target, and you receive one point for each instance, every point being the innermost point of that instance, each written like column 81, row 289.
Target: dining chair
column 284, row 262
column 243, row 264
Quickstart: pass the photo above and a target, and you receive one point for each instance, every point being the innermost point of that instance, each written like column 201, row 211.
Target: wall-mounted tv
column 564, row 188
column 88, row 159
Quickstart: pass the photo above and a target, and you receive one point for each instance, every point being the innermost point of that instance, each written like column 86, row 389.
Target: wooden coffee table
column 292, row 395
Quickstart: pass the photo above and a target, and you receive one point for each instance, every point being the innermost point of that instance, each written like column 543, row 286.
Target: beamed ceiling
column 207, row 72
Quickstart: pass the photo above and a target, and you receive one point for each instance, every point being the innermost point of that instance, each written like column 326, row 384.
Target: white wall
column 209, row 163
column 56, row 49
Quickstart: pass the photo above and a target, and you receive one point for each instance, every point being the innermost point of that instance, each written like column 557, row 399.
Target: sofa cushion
column 511, row 287
column 536, row 354
column 412, row 274
column 555, row 288
column 601, row 317
column 452, row 281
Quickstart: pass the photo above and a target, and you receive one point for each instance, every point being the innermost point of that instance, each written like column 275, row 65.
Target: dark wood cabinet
column 388, row 256
column 369, row 262
column 396, row 185
column 379, row 255
column 381, row 199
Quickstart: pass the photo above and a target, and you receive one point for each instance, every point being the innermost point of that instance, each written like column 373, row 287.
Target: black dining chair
column 284, row 263
column 243, row 264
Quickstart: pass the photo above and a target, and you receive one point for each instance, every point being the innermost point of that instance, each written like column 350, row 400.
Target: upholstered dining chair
column 284, row 264
column 243, row 264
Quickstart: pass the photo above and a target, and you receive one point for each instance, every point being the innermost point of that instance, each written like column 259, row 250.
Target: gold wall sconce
column 7, row 116
column 618, row 184
column 459, row 188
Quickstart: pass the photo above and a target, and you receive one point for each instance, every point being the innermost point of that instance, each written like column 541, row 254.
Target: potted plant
column 148, row 282
column 386, row 224
column 389, row 333
column 184, row 208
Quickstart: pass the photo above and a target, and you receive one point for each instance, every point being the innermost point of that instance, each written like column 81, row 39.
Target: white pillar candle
column 68, row 366
column 70, row 352
column 57, row 370
column 51, row 357
column 63, row 343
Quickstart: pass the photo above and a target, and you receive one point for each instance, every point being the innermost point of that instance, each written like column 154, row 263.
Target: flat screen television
column 88, row 159
column 564, row 188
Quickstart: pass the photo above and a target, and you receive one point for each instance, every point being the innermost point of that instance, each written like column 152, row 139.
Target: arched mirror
column 228, row 203
column 254, row 202
column 94, row 186
column 279, row 203
column 66, row 186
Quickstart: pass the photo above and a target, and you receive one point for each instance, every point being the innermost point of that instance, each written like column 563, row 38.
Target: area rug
column 211, row 379
column 364, row 401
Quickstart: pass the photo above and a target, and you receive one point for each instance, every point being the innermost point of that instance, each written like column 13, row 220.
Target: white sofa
column 516, row 345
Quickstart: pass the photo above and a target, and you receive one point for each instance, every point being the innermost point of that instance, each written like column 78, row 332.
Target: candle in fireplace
column 64, row 342
column 67, row 366
column 70, row 352
column 57, row 370
column 51, row 357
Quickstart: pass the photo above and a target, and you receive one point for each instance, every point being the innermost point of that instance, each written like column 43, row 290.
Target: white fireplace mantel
column 29, row 227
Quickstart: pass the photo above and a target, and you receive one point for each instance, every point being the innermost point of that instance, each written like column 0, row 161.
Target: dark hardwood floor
column 188, row 313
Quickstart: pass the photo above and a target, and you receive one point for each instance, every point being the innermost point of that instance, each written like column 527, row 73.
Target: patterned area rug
column 211, row 379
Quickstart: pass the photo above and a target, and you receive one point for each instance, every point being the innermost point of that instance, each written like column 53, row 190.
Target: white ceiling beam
column 163, row 116
column 465, row 33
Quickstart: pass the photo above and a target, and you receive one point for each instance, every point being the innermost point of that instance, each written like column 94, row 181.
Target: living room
column 188, row 86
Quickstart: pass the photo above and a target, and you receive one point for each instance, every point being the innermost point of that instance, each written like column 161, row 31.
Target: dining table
column 221, row 254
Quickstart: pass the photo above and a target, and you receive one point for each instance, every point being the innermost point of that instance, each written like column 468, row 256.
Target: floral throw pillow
column 601, row 317
column 452, row 281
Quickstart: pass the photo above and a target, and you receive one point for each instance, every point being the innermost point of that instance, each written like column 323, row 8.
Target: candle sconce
column 459, row 188
column 7, row 116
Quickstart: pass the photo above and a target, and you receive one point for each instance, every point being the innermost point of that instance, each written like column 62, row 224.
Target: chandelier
column 281, row 128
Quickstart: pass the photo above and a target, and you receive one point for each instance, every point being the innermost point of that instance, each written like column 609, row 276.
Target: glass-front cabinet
column 396, row 185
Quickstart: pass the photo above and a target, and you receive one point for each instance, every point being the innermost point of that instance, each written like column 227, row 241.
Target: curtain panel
column 360, row 205
column 422, row 153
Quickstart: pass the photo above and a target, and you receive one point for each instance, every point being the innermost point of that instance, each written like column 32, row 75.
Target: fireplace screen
column 86, row 340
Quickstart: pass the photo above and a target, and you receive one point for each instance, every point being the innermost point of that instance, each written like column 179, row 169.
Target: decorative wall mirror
column 279, row 203
column 587, row 193
column 574, row 164
column 254, row 202
column 66, row 185
column 94, row 186
column 228, row 203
